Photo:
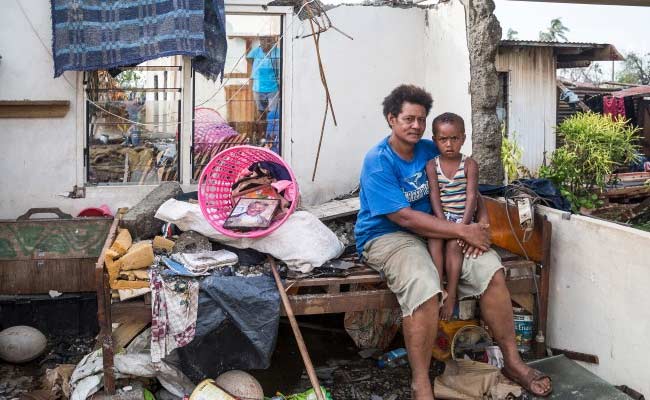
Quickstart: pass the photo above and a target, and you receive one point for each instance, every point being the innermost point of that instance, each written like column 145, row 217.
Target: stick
column 296, row 332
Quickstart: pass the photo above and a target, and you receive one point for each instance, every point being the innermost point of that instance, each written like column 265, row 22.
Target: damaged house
column 98, row 140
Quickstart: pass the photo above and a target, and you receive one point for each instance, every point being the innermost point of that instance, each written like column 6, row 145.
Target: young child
column 453, row 180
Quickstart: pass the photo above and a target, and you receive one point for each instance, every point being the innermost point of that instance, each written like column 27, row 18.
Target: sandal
column 527, row 382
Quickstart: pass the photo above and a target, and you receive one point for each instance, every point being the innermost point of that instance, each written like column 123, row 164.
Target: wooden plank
column 632, row 176
column 41, row 276
column 105, row 337
column 521, row 286
column 309, row 304
column 34, row 108
column 574, row 355
column 131, row 325
column 336, row 209
column 628, row 192
column 525, row 300
column 369, row 278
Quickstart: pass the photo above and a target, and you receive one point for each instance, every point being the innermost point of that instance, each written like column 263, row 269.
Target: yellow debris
column 122, row 284
column 140, row 255
column 161, row 243
column 113, row 269
column 122, row 242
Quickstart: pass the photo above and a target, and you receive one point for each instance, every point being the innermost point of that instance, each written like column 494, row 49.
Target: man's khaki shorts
column 405, row 262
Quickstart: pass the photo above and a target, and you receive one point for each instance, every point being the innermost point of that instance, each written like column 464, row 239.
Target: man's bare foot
column 530, row 379
column 447, row 309
column 422, row 390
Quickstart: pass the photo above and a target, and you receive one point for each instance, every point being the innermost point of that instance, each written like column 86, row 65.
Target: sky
column 625, row 27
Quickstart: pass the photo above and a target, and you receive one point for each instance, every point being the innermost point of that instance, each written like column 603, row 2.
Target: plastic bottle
column 393, row 358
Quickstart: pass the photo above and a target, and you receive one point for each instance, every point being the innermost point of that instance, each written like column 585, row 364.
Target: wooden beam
column 574, row 355
column 34, row 108
column 309, row 304
column 638, row 3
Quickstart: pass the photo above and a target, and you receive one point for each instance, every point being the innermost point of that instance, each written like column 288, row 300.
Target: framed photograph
column 251, row 214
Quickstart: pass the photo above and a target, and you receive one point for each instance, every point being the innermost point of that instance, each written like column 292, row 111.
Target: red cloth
column 614, row 106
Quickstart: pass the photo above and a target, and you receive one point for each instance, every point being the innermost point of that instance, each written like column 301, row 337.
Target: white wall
column 386, row 51
column 599, row 296
column 531, row 100
column 447, row 73
column 43, row 159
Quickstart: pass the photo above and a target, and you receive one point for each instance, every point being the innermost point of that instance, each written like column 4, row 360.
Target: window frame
column 186, row 131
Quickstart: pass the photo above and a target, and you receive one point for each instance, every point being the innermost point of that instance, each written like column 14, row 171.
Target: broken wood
column 336, row 209
column 574, row 355
column 626, row 193
column 34, row 108
column 105, row 337
column 296, row 332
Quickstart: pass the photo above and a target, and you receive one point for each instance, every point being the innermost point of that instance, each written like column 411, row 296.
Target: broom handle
column 296, row 332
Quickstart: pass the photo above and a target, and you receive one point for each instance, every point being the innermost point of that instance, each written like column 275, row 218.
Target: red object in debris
column 101, row 211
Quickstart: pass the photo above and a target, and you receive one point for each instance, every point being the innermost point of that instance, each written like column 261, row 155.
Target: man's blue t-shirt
column 388, row 184
column 264, row 76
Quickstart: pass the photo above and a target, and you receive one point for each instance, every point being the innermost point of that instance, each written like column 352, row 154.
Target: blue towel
column 103, row 34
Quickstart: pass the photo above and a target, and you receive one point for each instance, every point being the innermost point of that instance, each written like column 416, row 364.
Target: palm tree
column 555, row 31
column 512, row 34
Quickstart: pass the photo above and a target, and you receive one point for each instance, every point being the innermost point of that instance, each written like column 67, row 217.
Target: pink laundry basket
column 217, row 178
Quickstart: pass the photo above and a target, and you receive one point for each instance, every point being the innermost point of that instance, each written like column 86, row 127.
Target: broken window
column 246, row 107
column 133, row 120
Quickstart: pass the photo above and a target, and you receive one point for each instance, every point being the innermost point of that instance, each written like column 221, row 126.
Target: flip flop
column 527, row 382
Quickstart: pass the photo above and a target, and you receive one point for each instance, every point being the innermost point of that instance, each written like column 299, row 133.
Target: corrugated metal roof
column 545, row 43
column 572, row 52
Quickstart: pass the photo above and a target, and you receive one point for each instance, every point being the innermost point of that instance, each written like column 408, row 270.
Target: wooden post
column 296, row 332
column 105, row 338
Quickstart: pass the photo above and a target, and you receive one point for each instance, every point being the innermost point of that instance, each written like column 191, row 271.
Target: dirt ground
column 16, row 379
column 340, row 368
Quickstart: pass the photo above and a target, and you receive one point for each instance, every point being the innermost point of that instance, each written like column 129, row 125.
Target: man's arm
column 423, row 224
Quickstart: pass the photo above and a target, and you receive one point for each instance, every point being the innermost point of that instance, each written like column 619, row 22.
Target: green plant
column 594, row 145
column 511, row 154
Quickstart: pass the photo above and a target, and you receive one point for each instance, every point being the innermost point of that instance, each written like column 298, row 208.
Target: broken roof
column 572, row 54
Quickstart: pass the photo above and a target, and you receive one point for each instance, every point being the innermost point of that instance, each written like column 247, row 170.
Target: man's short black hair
column 448, row 118
column 406, row 93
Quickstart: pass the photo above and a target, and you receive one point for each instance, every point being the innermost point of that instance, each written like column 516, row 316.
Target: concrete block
column 140, row 220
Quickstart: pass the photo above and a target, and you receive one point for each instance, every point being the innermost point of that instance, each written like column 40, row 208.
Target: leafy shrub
column 594, row 146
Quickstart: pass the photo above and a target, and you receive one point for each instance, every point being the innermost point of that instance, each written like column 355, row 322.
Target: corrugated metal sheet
column 531, row 100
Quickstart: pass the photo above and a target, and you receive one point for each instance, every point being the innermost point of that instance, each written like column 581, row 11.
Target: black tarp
column 237, row 327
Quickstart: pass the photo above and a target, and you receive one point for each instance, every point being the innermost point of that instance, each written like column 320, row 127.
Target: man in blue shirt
column 393, row 222
column 265, row 75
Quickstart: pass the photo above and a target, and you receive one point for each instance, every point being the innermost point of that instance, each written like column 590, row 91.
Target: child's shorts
column 454, row 217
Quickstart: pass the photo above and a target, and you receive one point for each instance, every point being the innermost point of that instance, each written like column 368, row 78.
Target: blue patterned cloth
column 103, row 34
column 212, row 63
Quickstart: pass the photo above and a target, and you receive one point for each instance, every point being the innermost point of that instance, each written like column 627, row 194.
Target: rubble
column 192, row 242
column 140, row 220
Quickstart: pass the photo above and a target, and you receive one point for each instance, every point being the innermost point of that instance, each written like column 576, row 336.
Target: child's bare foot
column 447, row 309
